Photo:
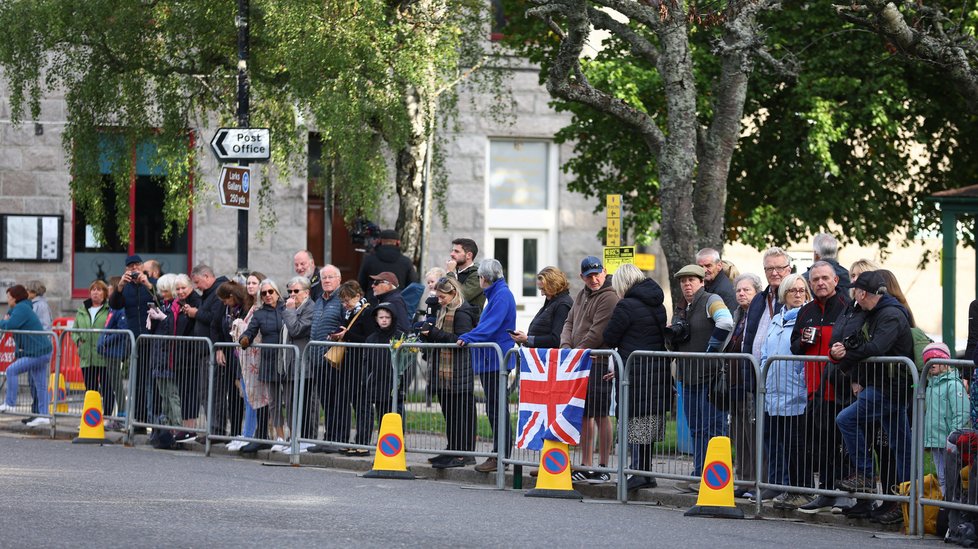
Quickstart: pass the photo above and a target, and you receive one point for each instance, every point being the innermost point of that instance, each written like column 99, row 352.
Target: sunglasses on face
column 296, row 290
column 267, row 292
column 379, row 282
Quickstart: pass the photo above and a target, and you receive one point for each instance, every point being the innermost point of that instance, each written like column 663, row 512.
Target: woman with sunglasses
column 267, row 321
column 451, row 370
column 238, row 306
column 298, row 315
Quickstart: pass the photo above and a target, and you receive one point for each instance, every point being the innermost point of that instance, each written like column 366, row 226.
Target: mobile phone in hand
column 511, row 332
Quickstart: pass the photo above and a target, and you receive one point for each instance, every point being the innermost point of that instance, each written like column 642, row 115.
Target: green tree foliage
column 139, row 69
column 839, row 133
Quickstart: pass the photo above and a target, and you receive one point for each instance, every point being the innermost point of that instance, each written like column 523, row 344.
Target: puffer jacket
column 948, row 408
column 638, row 323
column 787, row 392
column 268, row 321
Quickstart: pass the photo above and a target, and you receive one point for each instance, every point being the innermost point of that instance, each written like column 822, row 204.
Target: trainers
column 789, row 501
column 767, row 494
column 450, row 463
column 487, row 466
column 862, row 509
column 888, row 513
column 597, row 478
column 857, row 483
column 235, row 445
column 183, row 436
column 39, row 421
column 636, row 482
column 579, row 476
column 821, row 503
column 841, row 504
column 305, row 447
column 5, row 408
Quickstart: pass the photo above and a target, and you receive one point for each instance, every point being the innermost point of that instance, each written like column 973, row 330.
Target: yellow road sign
column 616, row 256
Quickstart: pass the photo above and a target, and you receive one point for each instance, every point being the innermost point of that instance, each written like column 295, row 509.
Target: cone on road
column 92, row 427
column 390, row 461
column 61, row 396
column 716, row 498
column 554, row 475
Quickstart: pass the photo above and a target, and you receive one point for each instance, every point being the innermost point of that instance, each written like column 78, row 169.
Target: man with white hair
column 826, row 248
column 716, row 279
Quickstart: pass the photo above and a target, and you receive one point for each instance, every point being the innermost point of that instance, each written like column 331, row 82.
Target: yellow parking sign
column 615, row 256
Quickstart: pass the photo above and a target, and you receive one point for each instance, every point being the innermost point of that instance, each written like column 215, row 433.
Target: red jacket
column 822, row 316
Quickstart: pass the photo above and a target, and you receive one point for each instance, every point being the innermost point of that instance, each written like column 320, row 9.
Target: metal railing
column 40, row 384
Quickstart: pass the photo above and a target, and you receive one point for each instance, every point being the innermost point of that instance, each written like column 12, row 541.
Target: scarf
column 446, row 356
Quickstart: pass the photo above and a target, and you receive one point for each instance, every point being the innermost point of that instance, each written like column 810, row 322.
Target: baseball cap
column 386, row 275
column 872, row 282
column 133, row 259
column 591, row 265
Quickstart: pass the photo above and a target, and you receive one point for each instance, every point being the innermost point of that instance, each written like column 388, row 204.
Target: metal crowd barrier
column 942, row 406
column 103, row 358
column 23, row 382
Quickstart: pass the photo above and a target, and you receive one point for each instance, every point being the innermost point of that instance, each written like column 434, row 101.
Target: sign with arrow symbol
column 241, row 145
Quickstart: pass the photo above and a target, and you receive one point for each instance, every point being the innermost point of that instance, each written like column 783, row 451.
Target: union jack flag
column 553, row 386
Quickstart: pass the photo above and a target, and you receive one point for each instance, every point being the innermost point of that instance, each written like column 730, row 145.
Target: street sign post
column 235, row 187
column 241, row 144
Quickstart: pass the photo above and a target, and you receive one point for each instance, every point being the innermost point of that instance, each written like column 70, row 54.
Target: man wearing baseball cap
column 877, row 326
column 584, row 329
column 385, row 288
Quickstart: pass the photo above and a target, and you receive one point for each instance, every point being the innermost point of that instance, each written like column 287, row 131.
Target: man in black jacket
column 716, row 279
column 877, row 326
column 387, row 257
column 205, row 317
column 135, row 292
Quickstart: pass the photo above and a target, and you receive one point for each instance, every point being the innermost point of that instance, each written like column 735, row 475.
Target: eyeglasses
column 776, row 269
column 296, row 290
column 379, row 282
column 798, row 291
column 267, row 292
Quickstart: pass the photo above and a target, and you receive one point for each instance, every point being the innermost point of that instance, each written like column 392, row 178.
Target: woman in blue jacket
column 33, row 352
column 498, row 318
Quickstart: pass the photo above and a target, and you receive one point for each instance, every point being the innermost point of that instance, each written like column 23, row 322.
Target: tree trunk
column 410, row 176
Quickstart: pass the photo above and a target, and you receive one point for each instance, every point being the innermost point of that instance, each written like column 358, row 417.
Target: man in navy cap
column 135, row 292
column 584, row 329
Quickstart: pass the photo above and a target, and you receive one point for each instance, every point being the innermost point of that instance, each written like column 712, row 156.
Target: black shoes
column 448, row 462
column 636, row 482
column 253, row 447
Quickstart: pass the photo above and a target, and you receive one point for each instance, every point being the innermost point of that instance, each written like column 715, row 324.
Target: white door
column 522, row 254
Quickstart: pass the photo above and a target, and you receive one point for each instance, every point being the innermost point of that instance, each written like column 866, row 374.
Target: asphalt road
column 56, row 494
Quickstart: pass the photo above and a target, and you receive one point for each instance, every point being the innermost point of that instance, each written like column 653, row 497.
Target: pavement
column 668, row 495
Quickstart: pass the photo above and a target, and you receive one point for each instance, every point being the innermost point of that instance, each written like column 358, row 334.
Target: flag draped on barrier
column 553, row 386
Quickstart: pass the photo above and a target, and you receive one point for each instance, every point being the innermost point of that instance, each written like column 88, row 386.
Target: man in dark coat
column 878, row 325
column 136, row 290
column 305, row 265
column 207, row 317
column 825, row 248
column 386, row 290
column 716, row 279
column 387, row 257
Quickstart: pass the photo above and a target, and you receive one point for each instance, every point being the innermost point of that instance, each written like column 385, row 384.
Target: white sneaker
column 39, row 421
column 281, row 446
column 235, row 445
column 5, row 408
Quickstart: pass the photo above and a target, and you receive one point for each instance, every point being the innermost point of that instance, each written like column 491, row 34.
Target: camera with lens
column 679, row 331
column 134, row 277
column 852, row 341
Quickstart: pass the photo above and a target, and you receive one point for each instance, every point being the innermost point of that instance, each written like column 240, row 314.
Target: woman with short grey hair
column 35, row 291
column 490, row 270
column 742, row 383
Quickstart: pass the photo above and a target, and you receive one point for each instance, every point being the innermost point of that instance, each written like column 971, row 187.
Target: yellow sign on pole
column 613, row 226
column 616, row 256
column 646, row 262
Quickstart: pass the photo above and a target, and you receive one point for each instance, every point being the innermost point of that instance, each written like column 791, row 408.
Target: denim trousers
column 37, row 370
column 705, row 421
column 873, row 405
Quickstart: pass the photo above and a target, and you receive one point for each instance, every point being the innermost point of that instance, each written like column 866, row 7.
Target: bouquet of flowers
column 402, row 357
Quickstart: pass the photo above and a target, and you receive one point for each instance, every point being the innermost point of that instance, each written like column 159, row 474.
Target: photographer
column 877, row 326
column 135, row 293
column 701, row 326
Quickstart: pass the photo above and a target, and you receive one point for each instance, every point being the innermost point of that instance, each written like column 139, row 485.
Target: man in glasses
column 461, row 265
column 385, row 288
column 762, row 309
column 387, row 257
column 811, row 336
column 327, row 319
column 584, row 329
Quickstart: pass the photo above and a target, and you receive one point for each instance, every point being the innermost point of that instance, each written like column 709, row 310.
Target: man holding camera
column 878, row 326
column 135, row 293
column 811, row 336
column 701, row 324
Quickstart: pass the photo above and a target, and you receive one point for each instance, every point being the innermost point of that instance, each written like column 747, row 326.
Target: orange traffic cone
column 92, row 429
column 390, row 461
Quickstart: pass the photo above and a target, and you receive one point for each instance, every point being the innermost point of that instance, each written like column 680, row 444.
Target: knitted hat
column 936, row 350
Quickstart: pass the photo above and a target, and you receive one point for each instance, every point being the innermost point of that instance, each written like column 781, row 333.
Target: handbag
column 334, row 355
column 719, row 393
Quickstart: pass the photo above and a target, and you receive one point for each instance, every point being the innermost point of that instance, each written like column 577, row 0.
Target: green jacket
column 87, row 343
column 948, row 408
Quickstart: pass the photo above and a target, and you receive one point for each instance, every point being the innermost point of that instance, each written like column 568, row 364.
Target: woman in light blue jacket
column 785, row 399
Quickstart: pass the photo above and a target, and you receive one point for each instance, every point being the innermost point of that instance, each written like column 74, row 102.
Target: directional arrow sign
column 235, row 187
column 241, row 144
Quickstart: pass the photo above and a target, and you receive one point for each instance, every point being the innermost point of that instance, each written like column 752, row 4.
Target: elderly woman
column 168, row 362
column 267, row 321
column 33, row 352
column 297, row 317
column 786, row 397
column 638, row 323
column 36, row 290
column 498, row 318
column 452, row 370
column 743, row 383
column 92, row 315
column 544, row 330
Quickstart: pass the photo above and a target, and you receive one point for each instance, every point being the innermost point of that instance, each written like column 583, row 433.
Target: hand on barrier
column 245, row 342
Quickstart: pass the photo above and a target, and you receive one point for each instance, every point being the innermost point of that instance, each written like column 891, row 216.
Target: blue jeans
column 873, row 405
column 250, row 416
column 705, row 421
column 37, row 369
